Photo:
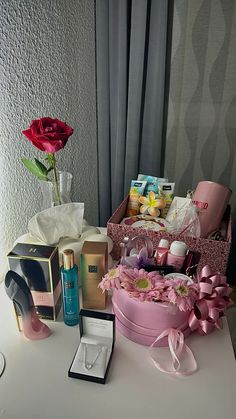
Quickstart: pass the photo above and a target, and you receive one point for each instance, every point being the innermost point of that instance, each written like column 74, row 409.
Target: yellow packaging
column 136, row 190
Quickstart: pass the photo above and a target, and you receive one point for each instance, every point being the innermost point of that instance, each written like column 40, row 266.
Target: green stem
column 54, row 180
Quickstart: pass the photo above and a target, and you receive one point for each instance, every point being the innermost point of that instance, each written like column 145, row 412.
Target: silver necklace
column 89, row 365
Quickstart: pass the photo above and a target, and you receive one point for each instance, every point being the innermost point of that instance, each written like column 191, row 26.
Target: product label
column 200, row 204
column 69, row 284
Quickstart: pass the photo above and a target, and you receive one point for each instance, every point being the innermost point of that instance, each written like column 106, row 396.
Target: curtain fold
column 131, row 55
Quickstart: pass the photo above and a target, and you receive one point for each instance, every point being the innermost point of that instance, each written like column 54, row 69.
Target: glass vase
column 54, row 194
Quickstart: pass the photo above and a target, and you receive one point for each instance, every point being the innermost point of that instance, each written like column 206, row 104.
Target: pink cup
column 212, row 199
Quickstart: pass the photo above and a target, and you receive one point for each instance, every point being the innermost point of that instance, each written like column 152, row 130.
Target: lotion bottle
column 70, row 292
column 176, row 255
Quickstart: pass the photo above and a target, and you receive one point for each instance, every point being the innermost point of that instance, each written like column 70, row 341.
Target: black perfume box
column 97, row 339
column 39, row 266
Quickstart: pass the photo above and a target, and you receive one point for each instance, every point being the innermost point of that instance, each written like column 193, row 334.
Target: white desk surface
column 35, row 383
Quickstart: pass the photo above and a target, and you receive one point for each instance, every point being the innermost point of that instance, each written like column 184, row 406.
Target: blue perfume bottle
column 70, row 289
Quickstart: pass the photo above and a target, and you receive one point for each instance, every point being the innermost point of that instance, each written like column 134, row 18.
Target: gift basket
column 172, row 254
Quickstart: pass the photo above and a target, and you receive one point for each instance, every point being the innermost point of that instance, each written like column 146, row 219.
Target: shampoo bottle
column 70, row 292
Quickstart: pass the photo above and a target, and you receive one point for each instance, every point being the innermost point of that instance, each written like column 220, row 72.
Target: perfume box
column 94, row 353
column 39, row 266
column 212, row 252
column 93, row 265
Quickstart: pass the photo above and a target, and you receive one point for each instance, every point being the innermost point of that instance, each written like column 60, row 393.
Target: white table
column 35, row 382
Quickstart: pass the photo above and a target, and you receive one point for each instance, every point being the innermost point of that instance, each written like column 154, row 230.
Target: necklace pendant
column 88, row 366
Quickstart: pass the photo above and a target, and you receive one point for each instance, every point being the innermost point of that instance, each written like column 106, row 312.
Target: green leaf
column 41, row 167
column 34, row 169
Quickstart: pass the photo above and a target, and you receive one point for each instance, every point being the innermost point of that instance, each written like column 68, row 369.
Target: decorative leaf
column 33, row 168
column 41, row 167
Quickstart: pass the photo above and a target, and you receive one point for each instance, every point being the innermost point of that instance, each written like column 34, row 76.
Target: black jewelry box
column 94, row 353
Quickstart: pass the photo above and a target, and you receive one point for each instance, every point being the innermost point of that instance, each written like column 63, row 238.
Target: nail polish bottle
column 176, row 254
column 162, row 252
column 70, row 292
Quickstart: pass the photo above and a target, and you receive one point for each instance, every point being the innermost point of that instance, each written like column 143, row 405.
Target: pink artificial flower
column 182, row 294
column 145, row 286
column 113, row 278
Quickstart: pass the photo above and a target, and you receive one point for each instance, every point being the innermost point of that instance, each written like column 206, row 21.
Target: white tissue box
column 94, row 353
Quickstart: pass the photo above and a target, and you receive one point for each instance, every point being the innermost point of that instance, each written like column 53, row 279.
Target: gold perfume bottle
column 93, row 266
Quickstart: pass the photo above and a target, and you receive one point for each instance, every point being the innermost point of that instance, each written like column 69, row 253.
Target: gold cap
column 68, row 258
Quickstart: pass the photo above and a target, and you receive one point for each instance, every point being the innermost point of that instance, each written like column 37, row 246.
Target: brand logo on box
column 32, row 250
column 200, row 204
column 92, row 268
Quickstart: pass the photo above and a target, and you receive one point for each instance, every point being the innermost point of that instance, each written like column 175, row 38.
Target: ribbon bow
column 179, row 352
column 213, row 301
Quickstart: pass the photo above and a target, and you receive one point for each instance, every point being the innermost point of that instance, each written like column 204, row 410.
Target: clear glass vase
column 56, row 194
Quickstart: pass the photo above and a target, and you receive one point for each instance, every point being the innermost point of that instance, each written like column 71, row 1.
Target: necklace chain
column 89, row 365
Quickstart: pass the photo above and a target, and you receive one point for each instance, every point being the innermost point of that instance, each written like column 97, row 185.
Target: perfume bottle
column 70, row 291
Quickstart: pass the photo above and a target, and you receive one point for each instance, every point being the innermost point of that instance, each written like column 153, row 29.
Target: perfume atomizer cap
column 178, row 248
column 68, row 258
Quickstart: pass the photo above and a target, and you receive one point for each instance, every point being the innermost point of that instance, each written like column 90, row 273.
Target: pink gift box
column 142, row 322
column 214, row 253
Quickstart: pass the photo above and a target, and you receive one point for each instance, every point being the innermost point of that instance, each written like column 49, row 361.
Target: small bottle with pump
column 162, row 252
column 70, row 292
column 176, row 255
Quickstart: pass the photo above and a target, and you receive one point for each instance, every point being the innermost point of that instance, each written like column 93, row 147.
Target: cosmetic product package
column 176, row 254
column 166, row 190
column 94, row 353
column 38, row 265
column 93, row 266
column 152, row 183
column 136, row 190
column 161, row 252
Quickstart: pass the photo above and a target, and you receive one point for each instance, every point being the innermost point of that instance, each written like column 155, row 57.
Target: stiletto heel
column 18, row 291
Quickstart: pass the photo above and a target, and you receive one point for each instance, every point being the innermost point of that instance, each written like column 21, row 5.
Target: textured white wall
column 47, row 68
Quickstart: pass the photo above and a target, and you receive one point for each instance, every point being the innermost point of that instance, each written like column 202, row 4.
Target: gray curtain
column 131, row 57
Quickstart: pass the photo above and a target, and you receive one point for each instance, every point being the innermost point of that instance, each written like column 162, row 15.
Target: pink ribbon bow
column 213, row 301
column 179, row 352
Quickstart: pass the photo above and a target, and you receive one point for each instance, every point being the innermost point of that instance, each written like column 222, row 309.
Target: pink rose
column 48, row 135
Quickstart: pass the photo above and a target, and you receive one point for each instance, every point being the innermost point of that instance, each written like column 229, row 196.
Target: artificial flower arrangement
column 48, row 135
column 156, row 310
column 206, row 299
column 151, row 286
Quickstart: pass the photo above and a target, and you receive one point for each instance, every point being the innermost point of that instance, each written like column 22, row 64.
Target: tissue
column 52, row 224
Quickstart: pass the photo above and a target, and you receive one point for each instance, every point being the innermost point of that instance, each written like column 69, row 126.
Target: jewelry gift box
column 94, row 353
column 213, row 253
column 39, row 266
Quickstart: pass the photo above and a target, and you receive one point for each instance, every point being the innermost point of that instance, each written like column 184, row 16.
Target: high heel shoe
column 34, row 275
column 18, row 291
